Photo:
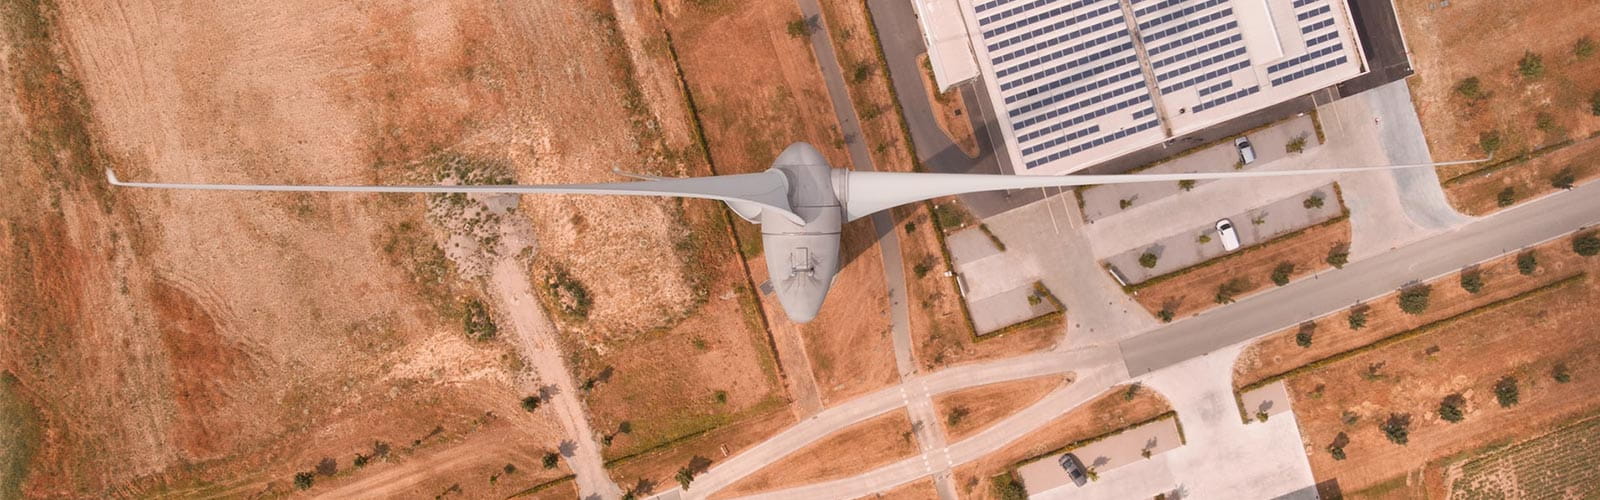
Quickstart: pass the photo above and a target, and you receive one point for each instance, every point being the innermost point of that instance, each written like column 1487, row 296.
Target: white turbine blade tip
column 112, row 177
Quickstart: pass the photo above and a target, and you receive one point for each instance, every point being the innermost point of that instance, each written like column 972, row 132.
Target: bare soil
column 981, row 406
column 950, row 110
column 1524, row 339
column 1105, row 413
column 1195, row 290
column 865, row 446
column 653, row 470
column 922, row 489
column 1497, row 36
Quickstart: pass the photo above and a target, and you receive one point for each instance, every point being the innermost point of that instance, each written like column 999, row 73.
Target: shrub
column 1414, row 300
column 1295, row 145
column 327, row 466
column 1148, row 260
column 684, row 477
column 1594, row 103
column 1303, row 337
column 1186, row 184
column 1124, row 203
column 1338, row 256
column 1226, row 291
column 1165, row 314
column 477, row 322
column 1472, row 281
column 799, row 28
column 1506, row 196
column 360, row 461
column 1338, row 453
column 1131, row 392
column 1560, row 373
column 1358, row 320
column 721, row 397
column 304, row 480
column 1545, row 122
column 1470, row 88
column 549, row 460
column 1531, row 65
column 1203, row 238
column 1563, row 179
column 1584, row 48
column 1006, row 487
column 861, row 73
column 956, row 415
column 921, row 268
column 911, row 227
column 531, row 403
column 1336, row 448
column 1450, row 409
column 1489, row 141
column 1396, row 428
column 1314, row 201
column 1527, row 263
column 1280, row 274
column 1261, row 416
column 1586, row 244
column 1505, row 391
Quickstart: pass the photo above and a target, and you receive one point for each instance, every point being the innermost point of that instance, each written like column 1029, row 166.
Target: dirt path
column 535, row 338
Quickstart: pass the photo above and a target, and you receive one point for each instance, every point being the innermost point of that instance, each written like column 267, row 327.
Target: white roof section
column 949, row 45
column 1078, row 82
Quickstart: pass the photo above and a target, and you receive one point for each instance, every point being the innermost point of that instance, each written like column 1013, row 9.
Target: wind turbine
column 800, row 202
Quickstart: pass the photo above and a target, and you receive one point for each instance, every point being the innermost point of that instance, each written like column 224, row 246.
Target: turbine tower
column 801, row 203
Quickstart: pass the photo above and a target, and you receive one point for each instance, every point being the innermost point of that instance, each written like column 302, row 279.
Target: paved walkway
column 1126, row 448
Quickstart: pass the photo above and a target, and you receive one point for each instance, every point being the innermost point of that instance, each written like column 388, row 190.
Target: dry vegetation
column 1495, row 99
column 1525, row 327
column 1523, row 470
column 917, row 490
column 873, row 443
column 969, row 411
column 1110, row 411
column 1193, row 290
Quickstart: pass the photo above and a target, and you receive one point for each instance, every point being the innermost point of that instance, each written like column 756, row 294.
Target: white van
column 1228, row 236
column 1247, row 154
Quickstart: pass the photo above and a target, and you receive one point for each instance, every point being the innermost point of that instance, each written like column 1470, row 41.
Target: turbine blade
column 871, row 192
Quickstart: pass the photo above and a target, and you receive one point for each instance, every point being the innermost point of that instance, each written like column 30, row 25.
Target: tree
column 1313, row 201
column 1336, row 448
column 1280, row 274
column 1302, row 338
column 1506, row 196
column 1148, row 260
column 1560, row 373
column 1586, row 244
column 1414, row 299
column 1563, row 179
column 550, row 459
column 327, row 466
column 1470, row 88
column 1338, row 256
column 956, row 415
column 1527, row 263
column 800, row 28
column 1186, row 184
column 1531, row 65
column 1358, row 319
column 1451, row 409
column 361, row 460
column 304, row 480
column 1472, row 281
column 1584, row 48
column 1489, row 141
column 1165, row 314
column 1396, row 428
column 1295, row 145
column 1505, row 391
column 531, row 403
column 684, row 477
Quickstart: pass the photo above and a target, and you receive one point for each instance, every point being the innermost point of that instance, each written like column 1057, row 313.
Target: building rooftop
column 1078, row 82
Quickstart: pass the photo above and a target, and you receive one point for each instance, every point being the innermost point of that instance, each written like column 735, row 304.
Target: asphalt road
column 1381, row 43
column 1335, row 290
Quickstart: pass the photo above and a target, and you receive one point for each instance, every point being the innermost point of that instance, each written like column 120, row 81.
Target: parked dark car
column 1074, row 468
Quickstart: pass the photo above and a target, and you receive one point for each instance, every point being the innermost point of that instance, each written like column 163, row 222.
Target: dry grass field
column 1105, row 413
column 1528, row 328
column 917, row 490
column 1473, row 89
column 1195, row 289
column 969, row 411
column 876, row 442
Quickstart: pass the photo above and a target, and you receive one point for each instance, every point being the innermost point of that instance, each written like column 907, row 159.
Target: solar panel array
column 1069, row 75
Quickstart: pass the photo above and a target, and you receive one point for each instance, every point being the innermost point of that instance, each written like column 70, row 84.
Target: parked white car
column 1228, row 236
column 1247, row 154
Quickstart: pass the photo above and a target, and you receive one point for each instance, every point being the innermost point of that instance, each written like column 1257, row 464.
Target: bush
column 1414, row 300
column 1302, row 338
column 360, row 461
column 477, row 322
column 684, row 477
column 1489, row 141
column 1338, row 453
column 1450, row 409
column 861, row 73
column 1165, row 314
column 1560, row 373
column 1124, row 203
column 1531, row 65
column 1358, row 320
column 1295, row 145
column 550, row 459
column 1314, row 201
column 1226, row 291
column 1470, row 88
column 911, row 227
column 1545, row 122
column 799, row 28
column 327, row 466
column 1396, row 428
column 1586, row 244
column 1472, row 281
column 1527, row 263
column 1338, row 256
column 921, row 269
column 1280, row 274
column 1506, row 197
column 1186, row 184
column 1203, row 238
column 1594, row 103
column 531, row 403
column 1131, row 392
column 1148, row 260
column 1563, row 179
column 1505, row 391
column 1584, row 48
column 1006, row 487
column 956, row 415
column 304, row 480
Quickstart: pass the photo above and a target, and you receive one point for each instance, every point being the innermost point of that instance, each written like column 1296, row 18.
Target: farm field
column 1524, row 470
column 1108, row 412
column 1500, row 99
column 1534, row 340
